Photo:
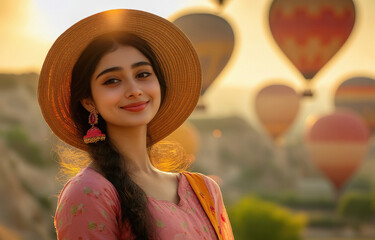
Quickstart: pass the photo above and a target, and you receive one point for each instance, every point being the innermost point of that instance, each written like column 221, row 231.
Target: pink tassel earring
column 94, row 134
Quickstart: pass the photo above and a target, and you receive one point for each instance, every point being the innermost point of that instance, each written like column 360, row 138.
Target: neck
column 132, row 145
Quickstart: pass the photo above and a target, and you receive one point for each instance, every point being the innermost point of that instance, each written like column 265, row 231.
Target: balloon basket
column 200, row 108
column 308, row 93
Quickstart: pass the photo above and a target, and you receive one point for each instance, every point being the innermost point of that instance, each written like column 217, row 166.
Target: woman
column 136, row 77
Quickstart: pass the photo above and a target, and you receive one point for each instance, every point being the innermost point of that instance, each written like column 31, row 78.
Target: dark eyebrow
column 113, row 69
column 140, row 64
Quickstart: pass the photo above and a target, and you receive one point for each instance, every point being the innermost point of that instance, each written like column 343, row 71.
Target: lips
column 135, row 107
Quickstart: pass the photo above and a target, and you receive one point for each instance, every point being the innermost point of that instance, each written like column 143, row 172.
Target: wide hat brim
column 175, row 53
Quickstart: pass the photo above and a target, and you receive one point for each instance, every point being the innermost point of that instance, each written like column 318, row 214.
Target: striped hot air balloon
column 337, row 144
column 310, row 32
column 358, row 94
column 276, row 107
column 213, row 39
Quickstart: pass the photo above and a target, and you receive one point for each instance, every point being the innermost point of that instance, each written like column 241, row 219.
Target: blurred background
column 285, row 123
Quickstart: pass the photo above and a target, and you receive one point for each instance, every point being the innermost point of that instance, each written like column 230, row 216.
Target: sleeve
column 88, row 210
column 221, row 213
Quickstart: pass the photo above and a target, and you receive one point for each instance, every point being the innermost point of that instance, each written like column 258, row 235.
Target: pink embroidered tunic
column 89, row 208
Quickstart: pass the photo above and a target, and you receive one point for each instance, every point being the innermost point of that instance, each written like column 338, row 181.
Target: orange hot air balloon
column 213, row 39
column 337, row 144
column 358, row 95
column 188, row 137
column 276, row 107
column 310, row 32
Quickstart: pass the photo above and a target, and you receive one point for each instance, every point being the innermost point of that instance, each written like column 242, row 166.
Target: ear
column 88, row 104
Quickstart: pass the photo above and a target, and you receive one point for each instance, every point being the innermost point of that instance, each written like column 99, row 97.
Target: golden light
column 23, row 42
column 217, row 133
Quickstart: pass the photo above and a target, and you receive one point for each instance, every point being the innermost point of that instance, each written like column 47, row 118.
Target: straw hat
column 176, row 55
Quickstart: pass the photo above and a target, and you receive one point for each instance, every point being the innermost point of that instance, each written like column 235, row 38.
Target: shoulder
column 211, row 185
column 88, row 205
column 90, row 188
column 88, row 183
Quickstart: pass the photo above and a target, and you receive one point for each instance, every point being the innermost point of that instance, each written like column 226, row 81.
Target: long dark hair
column 104, row 154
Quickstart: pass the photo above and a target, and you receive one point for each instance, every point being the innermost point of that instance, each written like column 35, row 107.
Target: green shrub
column 253, row 219
column 292, row 201
column 19, row 141
column 325, row 221
column 356, row 207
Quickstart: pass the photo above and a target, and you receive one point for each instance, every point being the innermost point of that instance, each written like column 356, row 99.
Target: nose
column 133, row 90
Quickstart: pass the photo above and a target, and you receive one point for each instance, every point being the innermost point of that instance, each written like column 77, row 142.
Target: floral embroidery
column 172, row 208
column 212, row 208
column 184, row 225
column 87, row 190
column 205, row 229
column 105, row 215
column 74, row 210
column 60, row 207
column 101, row 227
column 160, row 223
column 92, row 225
column 96, row 193
column 80, row 208
column 187, row 210
column 222, row 217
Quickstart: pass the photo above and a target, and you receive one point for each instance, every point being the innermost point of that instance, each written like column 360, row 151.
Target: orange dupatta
column 198, row 185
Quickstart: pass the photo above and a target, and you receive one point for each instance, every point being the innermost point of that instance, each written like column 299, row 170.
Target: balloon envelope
column 358, row 95
column 187, row 136
column 310, row 32
column 276, row 107
column 213, row 39
column 177, row 151
column 337, row 144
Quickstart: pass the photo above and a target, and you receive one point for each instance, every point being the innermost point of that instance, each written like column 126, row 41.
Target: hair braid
column 132, row 198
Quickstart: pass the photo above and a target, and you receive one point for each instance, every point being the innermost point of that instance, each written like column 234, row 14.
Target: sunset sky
column 29, row 27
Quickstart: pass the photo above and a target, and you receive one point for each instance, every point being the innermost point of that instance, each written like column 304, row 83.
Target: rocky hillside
column 27, row 167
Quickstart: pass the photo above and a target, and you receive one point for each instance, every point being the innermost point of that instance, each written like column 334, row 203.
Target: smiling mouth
column 135, row 107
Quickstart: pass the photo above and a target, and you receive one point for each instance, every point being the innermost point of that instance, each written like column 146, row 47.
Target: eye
column 111, row 81
column 143, row 75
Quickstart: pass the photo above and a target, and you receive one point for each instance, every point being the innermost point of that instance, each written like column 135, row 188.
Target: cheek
column 105, row 98
column 156, row 92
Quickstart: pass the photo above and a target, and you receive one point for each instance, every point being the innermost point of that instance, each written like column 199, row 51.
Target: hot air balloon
column 310, row 32
column 337, row 144
column 276, row 107
column 188, row 136
column 213, row 39
column 358, row 95
column 177, row 151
